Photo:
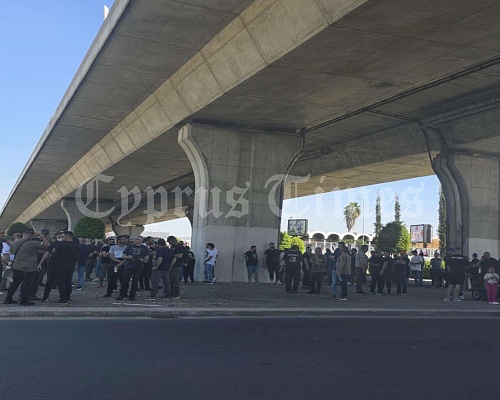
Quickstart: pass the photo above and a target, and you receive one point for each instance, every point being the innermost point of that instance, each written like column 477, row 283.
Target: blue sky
column 43, row 44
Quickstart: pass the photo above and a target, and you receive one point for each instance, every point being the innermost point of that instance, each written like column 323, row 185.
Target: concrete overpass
column 204, row 94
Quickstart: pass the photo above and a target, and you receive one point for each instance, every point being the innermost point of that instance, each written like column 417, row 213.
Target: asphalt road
column 257, row 358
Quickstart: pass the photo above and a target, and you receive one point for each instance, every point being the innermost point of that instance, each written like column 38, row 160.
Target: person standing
column 135, row 256
column 145, row 278
column 160, row 271
column 343, row 271
column 360, row 266
column 317, row 263
column 491, row 279
column 66, row 256
column 91, row 259
column 416, row 265
column 436, row 271
column 175, row 266
column 456, row 264
column 386, row 273
column 352, row 279
column 400, row 271
column 189, row 270
column 375, row 263
column 50, row 258
column 25, row 265
column 306, row 268
column 209, row 263
column 116, row 268
column 329, row 264
column 291, row 265
column 83, row 257
column 105, row 262
column 272, row 263
column 252, row 264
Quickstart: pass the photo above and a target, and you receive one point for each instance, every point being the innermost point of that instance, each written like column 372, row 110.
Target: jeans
column 23, row 279
column 419, row 281
column 98, row 265
column 81, row 271
column 359, row 279
column 156, row 277
column 316, row 280
column 491, row 291
column 64, row 276
column 292, row 274
column 334, row 281
column 344, row 278
column 113, row 279
column 401, row 283
column 174, row 281
column 209, row 276
column 133, row 273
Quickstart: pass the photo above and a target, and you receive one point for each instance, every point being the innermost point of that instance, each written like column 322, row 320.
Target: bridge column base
column 237, row 199
column 52, row 225
column 471, row 185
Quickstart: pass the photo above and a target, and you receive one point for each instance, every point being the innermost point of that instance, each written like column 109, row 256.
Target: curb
column 69, row 312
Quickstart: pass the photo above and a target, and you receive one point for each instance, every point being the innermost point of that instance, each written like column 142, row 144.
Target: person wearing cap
column 25, row 265
column 175, row 266
column 386, row 273
column 66, row 254
column 135, row 256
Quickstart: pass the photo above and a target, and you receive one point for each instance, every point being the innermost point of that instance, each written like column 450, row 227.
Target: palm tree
column 352, row 211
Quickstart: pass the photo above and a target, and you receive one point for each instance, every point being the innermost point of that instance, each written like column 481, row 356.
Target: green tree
column 397, row 209
column 299, row 242
column 351, row 213
column 285, row 241
column 393, row 237
column 442, row 221
column 16, row 227
column 378, row 217
column 90, row 228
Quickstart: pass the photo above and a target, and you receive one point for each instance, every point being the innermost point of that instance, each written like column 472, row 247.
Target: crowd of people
column 348, row 267
column 127, row 266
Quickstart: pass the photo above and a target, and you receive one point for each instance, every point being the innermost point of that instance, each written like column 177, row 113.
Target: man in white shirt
column 416, row 264
column 210, row 263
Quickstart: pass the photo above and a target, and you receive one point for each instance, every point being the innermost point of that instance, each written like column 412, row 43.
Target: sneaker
column 176, row 298
column 405, row 294
column 96, row 279
column 151, row 298
column 2, row 293
column 489, row 302
column 78, row 288
column 446, row 299
column 61, row 301
column 495, row 302
column 342, row 298
column 27, row 303
column 459, row 299
column 107, row 296
column 10, row 301
column 372, row 293
column 381, row 294
column 333, row 296
column 462, row 297
column 45, row 300
column 361, row 292
column 279, row 283
column 167, row 298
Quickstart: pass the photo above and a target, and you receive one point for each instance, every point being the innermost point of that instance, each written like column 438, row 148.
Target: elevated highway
column 352, row 92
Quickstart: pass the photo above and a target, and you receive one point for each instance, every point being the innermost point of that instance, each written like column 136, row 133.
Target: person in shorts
column 252, row 264
column 455, row 264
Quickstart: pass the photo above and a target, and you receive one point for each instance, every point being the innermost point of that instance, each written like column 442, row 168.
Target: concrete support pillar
column 52, row 225
column 471, row 185
column 235, row 206
column 73, row 214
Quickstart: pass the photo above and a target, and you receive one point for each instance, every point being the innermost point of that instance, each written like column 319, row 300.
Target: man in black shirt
column 455, row 264
column 271, row 261
column 175, row 267
column 291, row 264
column 376, row 263
column 487, row 261
column 66, row 253
column 306, row 268
column 105, row 262
column 135, row 255
column 252, row 263
column 50, row 259
column 386, row 273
